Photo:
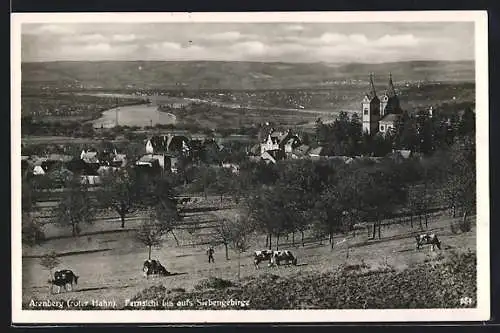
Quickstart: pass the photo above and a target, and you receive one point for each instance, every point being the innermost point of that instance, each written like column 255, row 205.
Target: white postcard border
column 481, row 313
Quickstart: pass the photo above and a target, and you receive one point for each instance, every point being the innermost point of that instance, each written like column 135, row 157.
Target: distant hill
column 234, row 75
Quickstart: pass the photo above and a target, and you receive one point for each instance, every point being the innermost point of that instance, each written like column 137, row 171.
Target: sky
column 284, row 42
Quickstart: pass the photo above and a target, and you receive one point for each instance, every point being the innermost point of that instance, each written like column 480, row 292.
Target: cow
column 285, row 256
column 64, row 278
column 427, row 238
column 153, row 267
column 262, row 255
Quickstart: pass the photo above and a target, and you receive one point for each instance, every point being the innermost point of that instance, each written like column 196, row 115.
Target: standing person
column 210, row 253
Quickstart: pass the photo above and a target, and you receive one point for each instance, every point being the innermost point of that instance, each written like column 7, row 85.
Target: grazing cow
column 425, row 239
column 153, row 267
column 285, row 256
column 64, row 278
column 262, row 255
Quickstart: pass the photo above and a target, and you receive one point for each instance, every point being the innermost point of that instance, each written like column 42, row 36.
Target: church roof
column 390, row 92
column 391, row 117
column 371, row 94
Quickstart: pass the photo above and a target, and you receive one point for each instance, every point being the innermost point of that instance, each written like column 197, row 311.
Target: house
column 291, row 143
column 235, row 168
column 159, row 161
column 405, row 153
column 254, row 150
column 89, row 156
column 104, row 170
column 38, row 170
column 268, row 157
column 300, row 151
column 316, row 153
column 167, row 143
column 119, row 160
column 280, row 141
column 148, row 161
column 90, row 180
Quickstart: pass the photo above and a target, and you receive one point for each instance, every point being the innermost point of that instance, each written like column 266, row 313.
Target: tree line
column 415, row 131
column 289, row 197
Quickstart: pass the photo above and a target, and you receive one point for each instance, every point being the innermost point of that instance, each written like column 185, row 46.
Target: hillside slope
column 234, row 75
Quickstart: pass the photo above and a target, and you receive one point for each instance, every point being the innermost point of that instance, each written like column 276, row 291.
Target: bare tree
column 223, row 234
column 49, row 262
column 120, row 192
column 167, row 214
column 241, row 231
column 75, row 207
column 150, row 233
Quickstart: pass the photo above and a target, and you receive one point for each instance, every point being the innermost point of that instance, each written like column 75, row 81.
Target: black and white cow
column 428, row 239
column 153, row 267
column 283, row 256
column 262, row 255
column 64, row 278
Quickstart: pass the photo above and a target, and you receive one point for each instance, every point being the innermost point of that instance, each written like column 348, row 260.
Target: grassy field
column 109, row 260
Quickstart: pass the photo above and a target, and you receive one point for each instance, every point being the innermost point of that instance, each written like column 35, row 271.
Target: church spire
column 372, row 93
column 391, row 92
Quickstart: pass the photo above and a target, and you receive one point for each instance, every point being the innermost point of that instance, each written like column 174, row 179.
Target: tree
column 223, row 233
column 204, row 179
column 150, row 233
column 167, row 214
column 28, row 195
column 223, row 183
column 265, row 208
column 241, row 232
column 419, row 202
column 329, row 212
column 380, row 192
column 120, row 192
column 75, row 207
column 463, row 175
column 154, row 189
column 467, row 124
column 49, row 262
column 406, row 132
column 31, row 231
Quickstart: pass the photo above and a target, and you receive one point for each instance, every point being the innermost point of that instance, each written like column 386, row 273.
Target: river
column 145, row 115
column 134, row 115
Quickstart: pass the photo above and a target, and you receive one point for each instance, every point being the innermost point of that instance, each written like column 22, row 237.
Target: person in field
column 210, row 253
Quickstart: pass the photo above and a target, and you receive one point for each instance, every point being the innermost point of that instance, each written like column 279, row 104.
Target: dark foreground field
column 356, row 273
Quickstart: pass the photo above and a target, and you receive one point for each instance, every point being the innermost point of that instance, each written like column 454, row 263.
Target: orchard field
column 109, row 260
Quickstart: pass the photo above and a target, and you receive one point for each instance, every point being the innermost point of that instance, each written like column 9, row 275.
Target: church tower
column 370, row 107
column 389, row 101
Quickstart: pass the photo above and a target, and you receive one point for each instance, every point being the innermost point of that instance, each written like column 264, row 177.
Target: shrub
column 178, row 290
column 427, row 285
column 213, row 283
column 32, row 232
column 153, row 292
column 463, row 225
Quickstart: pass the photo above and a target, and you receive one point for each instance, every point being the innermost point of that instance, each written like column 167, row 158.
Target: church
column 380, row 114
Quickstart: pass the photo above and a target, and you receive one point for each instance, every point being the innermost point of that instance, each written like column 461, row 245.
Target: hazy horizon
column 252, row 61
column 249, row 42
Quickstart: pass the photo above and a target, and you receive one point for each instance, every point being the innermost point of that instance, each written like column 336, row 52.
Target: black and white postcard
column 250, row 167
